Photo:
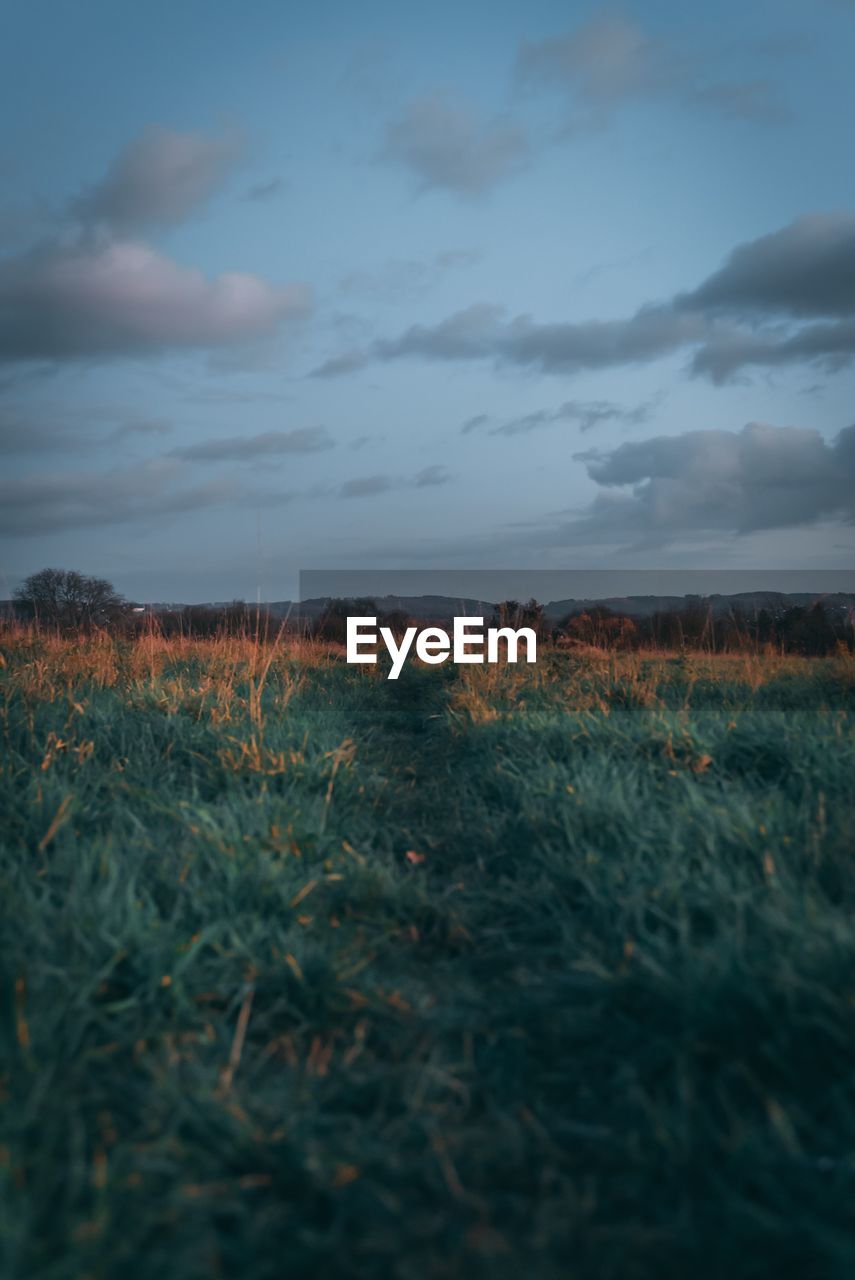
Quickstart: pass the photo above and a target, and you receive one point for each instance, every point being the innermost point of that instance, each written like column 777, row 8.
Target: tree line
column 66, row 601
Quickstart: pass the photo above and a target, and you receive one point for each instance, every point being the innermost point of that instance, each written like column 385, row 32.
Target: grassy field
column 479, row 974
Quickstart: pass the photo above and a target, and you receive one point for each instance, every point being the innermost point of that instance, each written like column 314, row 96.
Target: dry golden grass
column 431, row 960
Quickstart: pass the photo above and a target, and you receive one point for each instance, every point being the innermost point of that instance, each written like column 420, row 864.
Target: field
column 479, row 973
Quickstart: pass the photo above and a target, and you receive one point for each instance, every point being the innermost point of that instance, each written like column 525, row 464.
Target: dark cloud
column 444, row 144
column 611, row 60
column 805, row 269
column 473, row 423
column 159, row 179
column 755, row 311
column 365, row 486
column 266, row 444
column 686, row 486
column 832, row 346
column 101, row 297
column 767, row 290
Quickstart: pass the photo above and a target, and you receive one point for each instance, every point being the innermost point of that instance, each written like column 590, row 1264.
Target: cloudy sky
column 494, row 284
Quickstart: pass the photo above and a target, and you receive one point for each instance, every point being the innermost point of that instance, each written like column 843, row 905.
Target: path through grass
column 307, row 972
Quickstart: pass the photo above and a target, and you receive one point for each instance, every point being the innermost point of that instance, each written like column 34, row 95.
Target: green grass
column 309, row 973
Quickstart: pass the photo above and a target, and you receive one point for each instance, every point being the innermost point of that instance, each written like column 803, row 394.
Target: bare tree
column 64, row 598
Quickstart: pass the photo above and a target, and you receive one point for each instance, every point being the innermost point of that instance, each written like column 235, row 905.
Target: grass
column 479, row 973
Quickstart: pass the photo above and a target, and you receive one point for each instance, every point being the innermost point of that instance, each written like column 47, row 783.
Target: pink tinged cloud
column 113, row 297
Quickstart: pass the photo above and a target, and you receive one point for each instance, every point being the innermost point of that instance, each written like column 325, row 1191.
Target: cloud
column 100, row 297
column 586, row 414
column 804, row 272
column 50, row 503
column 337, row 366
column 20, row 222
column 743, row 100
column 264, row 190
column 689, row 485
column 266, row 444
column 20, row 434
column 159, row 179
column 143, row 427
column 482, row 331
column 830, row 345
column 144, row 493
column 23, row 434
column 444, row 145
column 365, row 486
column 602, row 61
column 610, row 60
column 471, row 333
column 429, row 476
column 783, row 299
column 473, row 423
column 804, row 269
column 94, row 290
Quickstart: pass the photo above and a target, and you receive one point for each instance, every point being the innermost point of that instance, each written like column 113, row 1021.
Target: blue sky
column 548, row 285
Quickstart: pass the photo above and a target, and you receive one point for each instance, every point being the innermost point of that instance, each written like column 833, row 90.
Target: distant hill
column 425, row 607
column 441, row 607
column 749, row 602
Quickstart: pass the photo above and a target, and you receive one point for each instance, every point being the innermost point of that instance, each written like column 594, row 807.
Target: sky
column 547, row 285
